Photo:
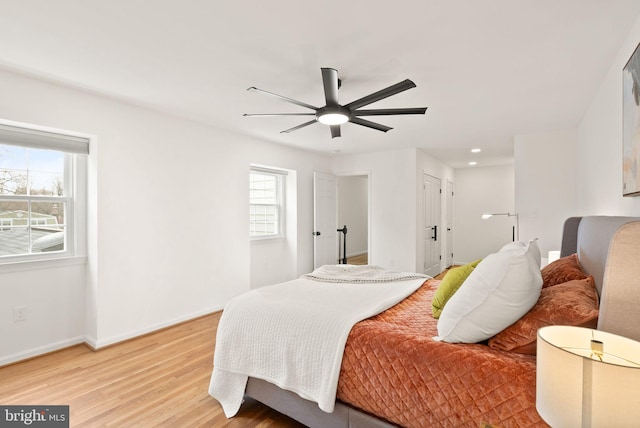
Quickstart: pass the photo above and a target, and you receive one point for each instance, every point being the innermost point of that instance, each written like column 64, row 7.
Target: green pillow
column 452, row 280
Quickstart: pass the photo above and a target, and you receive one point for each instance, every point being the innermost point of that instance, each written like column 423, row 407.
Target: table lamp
column 587, row 378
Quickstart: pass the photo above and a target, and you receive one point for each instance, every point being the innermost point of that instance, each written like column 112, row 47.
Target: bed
column 393, row 372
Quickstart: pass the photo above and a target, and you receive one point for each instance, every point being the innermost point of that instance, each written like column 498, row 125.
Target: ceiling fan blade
column 295, row 128
column 369, row 124
column 335, row 131
column 330, row 82
column 278, row 114
column 389, row 111
column 381, row 94
column 290, row 100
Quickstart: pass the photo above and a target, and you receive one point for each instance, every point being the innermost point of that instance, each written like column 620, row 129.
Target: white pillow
column 500, row 290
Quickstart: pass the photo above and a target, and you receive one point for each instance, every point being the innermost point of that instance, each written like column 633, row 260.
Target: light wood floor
column 361, row 259
column 443, row 273
column 158, row 380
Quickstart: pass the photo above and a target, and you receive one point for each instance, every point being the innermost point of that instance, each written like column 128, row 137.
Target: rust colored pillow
column 562, row 270
column 572, row 303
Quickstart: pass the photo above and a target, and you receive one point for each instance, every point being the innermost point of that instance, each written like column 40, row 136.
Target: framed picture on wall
column 631, row 126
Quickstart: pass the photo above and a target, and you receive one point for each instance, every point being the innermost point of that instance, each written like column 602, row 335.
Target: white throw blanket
column 293, row 335
column 359, row 273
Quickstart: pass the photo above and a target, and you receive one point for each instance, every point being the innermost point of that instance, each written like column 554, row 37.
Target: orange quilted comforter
column 392, row 368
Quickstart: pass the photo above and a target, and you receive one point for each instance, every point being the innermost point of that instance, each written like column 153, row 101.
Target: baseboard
column 96, row 345
column 357, row 253
column 40, row 350
column 91, row 342
column 99, row 344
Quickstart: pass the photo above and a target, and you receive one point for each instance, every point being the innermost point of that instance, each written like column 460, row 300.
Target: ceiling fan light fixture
column 333, row 118
column 334, row 114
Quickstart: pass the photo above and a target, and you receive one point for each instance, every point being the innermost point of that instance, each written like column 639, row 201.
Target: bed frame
column 606, row 250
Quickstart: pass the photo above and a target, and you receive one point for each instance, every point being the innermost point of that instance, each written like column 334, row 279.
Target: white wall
column 353, row 211
column 395, row 203
column 168, row 235
column 392, row 199
column 546, row 185
column 599, row 153
column 54, row 297
column 480, row 191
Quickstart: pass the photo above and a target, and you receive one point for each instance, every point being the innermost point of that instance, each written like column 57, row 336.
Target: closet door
column 325, row 235
column 432, row 230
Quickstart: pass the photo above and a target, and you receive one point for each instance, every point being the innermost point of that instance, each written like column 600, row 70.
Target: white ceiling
column 487, row 69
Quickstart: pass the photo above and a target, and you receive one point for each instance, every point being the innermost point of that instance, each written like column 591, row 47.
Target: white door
column 432, row 230
column 325, row 235
column 449, row 235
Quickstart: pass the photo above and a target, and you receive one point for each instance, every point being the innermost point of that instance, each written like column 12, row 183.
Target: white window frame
column 75, row 147
column 281, row 178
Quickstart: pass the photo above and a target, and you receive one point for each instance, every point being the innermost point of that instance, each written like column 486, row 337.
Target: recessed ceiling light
column 476, row 150
column 473, row 163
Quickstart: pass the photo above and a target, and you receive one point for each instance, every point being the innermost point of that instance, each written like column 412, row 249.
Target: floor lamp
column 516, row 229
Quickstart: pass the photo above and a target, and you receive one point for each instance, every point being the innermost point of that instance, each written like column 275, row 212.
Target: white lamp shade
column 575, row 389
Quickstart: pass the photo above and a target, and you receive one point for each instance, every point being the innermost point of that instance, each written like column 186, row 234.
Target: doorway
column 432, row 233
column 353, row 212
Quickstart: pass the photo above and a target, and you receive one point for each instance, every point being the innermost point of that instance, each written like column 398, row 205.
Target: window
column 266, row 203
column 37, row 201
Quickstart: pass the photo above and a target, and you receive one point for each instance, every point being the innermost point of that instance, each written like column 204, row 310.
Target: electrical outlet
column 19, row 313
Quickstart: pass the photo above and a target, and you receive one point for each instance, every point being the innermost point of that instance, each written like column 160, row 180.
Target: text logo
column 34, row 416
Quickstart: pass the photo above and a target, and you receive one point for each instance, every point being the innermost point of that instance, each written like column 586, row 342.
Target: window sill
column 27, row 265
column 266, row 239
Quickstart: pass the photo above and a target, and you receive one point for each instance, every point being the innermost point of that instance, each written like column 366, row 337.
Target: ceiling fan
column 334, row 114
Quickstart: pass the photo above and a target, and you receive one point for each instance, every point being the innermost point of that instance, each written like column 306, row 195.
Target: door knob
column 316, row 233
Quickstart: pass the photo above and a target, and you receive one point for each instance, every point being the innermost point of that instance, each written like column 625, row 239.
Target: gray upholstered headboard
column 570, row 236
column 590, row 237
column 609, row 249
